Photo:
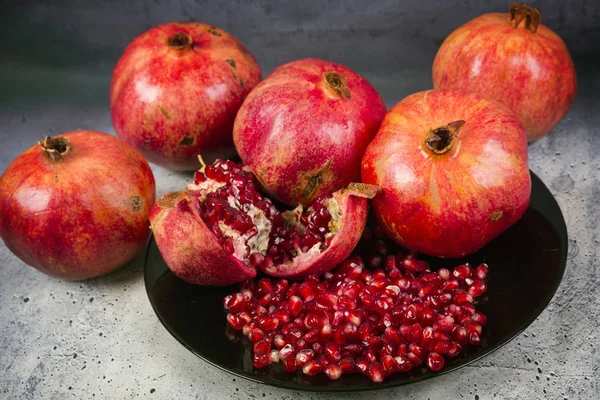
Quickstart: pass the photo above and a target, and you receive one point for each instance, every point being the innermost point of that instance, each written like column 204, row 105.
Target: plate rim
column 391, row 383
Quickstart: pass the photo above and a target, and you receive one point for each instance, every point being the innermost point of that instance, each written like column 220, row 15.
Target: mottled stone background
column 101, row 339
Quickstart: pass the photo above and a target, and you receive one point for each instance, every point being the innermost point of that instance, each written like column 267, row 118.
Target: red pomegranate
column 176, row 90
column 304, row 129
column 76, row 205
column 514, row 59
column 452, row 171
column 221, row 229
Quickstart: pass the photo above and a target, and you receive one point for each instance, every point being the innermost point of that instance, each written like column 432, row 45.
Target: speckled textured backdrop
column 101, row 339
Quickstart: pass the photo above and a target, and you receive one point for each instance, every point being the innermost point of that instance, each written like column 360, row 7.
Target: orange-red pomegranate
column 221, row 229
column 452, row 171
column 76, row 205
column 514, row 59
column 176, row 90
column 304, row 129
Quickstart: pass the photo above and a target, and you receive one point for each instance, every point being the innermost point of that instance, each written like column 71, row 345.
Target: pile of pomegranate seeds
column 232, row 202
column 391, row 318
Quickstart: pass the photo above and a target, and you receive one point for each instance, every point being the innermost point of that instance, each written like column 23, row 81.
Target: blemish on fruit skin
column 186, row 141
column 163, row 111
column 496, row 215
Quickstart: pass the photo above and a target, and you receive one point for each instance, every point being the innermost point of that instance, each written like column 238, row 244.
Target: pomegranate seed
column 444, row 274
column 389, row 364
column 417, row 350
column 480, row 318
column 392, row 335
column 463, row 271
column 260, row 360
column 326, row 332
column 477, row 288
column 346, row 303
column 370, row 354
column 235, row 322
column 302, row 345
column 427, row 336
column 315, row 319
column 281, row 286
column 472, row 326
column 461, row 335
column 248, row 328
column 444, row 323
column 267, row 323
column 274, row 356
column 450, row 285
column 255, row 335
column 317, row 347
column 304, row 356
column 435, row 362
column 464, row 298
column 312, row 335
column 374, row 261
column 349, row 330
column 333, row 371
column 440, row 346
column 404, row 364
column 338, row 318
column 383, row 304
column 262, row 346
column 437, row 335
column 290, row 365
column 474, row 338
column 347, row 365
column 390, row 263
column 338, row 336
column 312, row 368
column 482, row 271
column 327, row 300
column 375, row 371
column 354, row 317
column 414, row 360
column 333, row 351
column 392, row 290
column 427, row 316
column 295, row 306
column 287, row 351
column 362, row 364
column 293, row 336
column 468, row 309
column 234, row 303
column 265, row 286
column 306, row 291
column 352, row 349
column 265, row 300
column 454, row 349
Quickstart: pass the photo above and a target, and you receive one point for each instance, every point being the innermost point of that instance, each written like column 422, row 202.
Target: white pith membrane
column 244, row 244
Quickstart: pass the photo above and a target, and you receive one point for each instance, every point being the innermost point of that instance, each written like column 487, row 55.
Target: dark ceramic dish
column 527, row 263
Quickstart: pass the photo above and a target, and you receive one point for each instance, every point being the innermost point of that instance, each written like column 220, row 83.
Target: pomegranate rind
column 354, row 207
column 188, row 247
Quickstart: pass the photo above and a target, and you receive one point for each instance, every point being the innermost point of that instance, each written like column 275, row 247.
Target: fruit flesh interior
column 250, row 227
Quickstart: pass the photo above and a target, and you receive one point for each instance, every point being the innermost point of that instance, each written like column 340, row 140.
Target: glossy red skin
column 188, row 246
column 531, row 73
column 81, row 217
column 193, row 253
column 448, row 205
column 292, row 125
column 355, row 209
column 174, row 104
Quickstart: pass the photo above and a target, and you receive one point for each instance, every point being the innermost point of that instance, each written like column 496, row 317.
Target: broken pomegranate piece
column 221, row 229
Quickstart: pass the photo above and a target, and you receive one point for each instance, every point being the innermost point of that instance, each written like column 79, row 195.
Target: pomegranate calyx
column 170, row 199
column 520, row 12
column 55, row 147
column 441, row 140
column 179, row 41
column 364, row 190
column 337, row 82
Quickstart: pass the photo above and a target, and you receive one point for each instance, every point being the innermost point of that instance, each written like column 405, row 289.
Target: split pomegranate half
column 221, row 229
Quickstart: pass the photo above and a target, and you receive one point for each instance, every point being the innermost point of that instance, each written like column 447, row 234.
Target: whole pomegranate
column 221, row 229
column 514, row 59
column 175, row 92
column 76, row 205
column 452, row 171
column 304, row 129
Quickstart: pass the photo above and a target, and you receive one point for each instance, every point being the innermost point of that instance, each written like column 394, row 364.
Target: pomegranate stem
column 179, row 40
column 338, row 83
column 440, row 140
column 520, row 12
column 55, row 147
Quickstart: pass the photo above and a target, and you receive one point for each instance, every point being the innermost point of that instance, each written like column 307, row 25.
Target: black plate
column 527, row 263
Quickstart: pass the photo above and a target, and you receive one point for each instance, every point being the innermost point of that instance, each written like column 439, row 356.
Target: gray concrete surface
column 101, row 339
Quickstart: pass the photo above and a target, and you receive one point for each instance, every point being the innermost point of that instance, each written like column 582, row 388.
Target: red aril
column 221, row 229
column 372, row 340
column 449, row 164
column 176, row 90
column 75, row 206
column 304, row 129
